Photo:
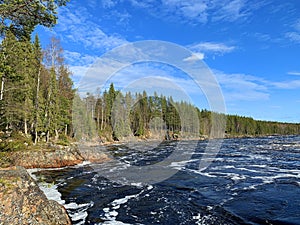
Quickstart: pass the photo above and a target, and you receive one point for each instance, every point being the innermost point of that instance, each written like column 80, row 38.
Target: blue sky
column 251, row 46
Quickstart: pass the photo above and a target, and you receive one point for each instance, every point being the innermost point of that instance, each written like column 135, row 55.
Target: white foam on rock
column 52, row 193
column 49, row 189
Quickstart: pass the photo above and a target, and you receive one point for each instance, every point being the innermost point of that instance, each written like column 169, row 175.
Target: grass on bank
column 18, row 141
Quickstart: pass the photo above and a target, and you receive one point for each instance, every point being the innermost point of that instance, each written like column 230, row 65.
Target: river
column 250, row 181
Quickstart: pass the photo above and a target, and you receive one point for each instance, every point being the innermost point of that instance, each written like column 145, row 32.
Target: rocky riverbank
column 22, row 202
column 55, row 157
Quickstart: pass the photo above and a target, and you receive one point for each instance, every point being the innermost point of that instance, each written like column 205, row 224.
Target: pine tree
column 22, row 16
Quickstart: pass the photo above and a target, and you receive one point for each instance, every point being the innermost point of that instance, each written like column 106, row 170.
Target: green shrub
column 63, row 140
column 16, row 141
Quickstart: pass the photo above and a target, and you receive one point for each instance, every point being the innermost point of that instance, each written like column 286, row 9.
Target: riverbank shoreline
column 58, row 156
column 22, row 201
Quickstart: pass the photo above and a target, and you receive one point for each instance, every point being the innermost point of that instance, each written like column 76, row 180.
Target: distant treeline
column 239, row 125
column 116, row 115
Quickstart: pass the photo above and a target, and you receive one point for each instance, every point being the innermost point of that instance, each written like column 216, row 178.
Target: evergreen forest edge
column 37, row 96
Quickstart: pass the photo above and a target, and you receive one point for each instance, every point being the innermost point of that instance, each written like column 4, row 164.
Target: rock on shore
column 93, row 154
column 47, row 158
column 57, row 157
column 22, row 202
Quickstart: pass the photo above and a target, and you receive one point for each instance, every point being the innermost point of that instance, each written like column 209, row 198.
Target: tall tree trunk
column 47, row 136
column 66, row 129
column 98, row 119
column 2, row 83
column 102, row 117
column 2, row 88
column 25, row 127
column 56, row 134
column 35, row 137
column 37, row 105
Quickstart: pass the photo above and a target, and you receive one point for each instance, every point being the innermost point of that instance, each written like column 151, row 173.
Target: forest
column 39, row 104
column 119, row 116
column 36, row 91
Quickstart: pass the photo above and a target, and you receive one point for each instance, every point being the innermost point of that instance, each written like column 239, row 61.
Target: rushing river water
column 250, row 181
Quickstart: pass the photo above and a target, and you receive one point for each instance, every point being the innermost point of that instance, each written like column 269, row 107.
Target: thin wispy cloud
column 107, row 4
column 149, row 76
column 79, row 64
column 262, row 36
column 189, row 9
column 195, row 11
column 294, row 73
column 231, row 10
column 78, row 73
column 212, row 47
column 237, row 87
column 194, row 57
column 294, row 35
column 293, row 84
column 78, row 27
column 92, row 3
column 297, row 25
column 77, row 58
column 266, row 40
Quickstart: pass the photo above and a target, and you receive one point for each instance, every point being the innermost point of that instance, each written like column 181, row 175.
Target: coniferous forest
column 117, row 116
column 38, row 102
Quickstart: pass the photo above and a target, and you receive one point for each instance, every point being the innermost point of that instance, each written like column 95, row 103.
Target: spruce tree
column 37, row 93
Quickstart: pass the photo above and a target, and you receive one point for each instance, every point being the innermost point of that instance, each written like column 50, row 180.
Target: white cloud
column 194, row 57
column 212, row 47
column 149, row 76
column 294, row 73
column 262, row 36
column 78, row 73
column 189, row 9
column 79, row 64
column 231, row 10
column 297, row 25
column 76, row 58
column 108, row 3
column 76, row 25
column 293, row 84
column 199, row 11
column 92, row 3
column 242, row 87
column 293, row 36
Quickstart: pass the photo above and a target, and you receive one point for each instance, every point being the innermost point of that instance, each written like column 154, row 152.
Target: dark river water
column 250, row 181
